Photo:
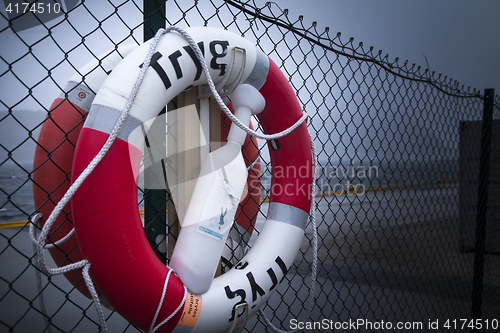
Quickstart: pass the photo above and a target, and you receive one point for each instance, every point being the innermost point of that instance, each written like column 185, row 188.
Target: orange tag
column 191, row 311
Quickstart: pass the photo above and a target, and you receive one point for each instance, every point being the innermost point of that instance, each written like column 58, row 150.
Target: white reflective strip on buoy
column 103, row 119
column 258, row 76
column 287, row 214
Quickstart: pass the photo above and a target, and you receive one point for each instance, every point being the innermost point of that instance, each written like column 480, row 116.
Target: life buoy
column 54, row 153
column 105, row 213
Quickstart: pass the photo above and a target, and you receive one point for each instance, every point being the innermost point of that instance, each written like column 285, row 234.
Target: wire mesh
column 394, row 192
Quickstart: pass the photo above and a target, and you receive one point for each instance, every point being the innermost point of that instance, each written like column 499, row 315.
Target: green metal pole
column 482, row 205
column 155, row 196
column 154, row 17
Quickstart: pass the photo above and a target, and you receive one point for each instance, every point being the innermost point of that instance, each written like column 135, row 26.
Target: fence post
column 155, row 199
column 482, row 204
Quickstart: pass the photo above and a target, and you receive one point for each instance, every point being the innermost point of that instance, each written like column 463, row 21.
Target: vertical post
column 215, row 124
column 155, row 198
column 154, row 17
column 482, row 204
column 215, row 141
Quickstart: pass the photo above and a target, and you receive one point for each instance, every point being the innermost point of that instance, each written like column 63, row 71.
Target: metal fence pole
column 155, row 199
column 155, row 12
column 482, row 204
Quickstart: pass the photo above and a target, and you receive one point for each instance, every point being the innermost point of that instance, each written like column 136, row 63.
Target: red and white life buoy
column 54, row 156
column 106, row 218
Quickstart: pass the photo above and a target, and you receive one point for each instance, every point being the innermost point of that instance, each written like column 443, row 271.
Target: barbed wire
column 342, row 48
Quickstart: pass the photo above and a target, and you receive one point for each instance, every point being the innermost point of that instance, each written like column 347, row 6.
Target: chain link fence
column 399, row 151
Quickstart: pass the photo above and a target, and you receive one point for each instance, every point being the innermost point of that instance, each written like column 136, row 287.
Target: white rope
column 160, row 304
column 60, row 241
column 95, row 296
column 38, row 249
column 34, row 240
column 314, row 264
